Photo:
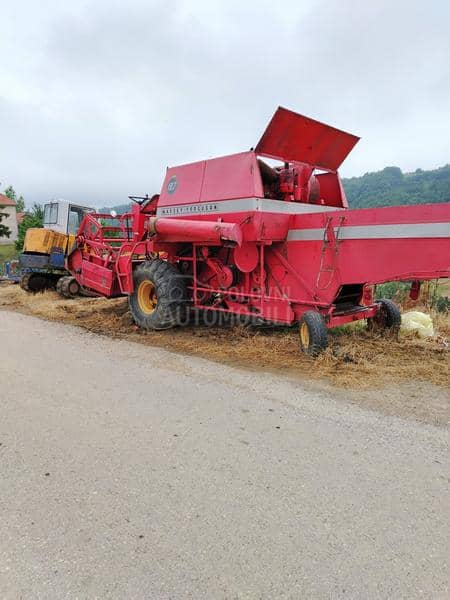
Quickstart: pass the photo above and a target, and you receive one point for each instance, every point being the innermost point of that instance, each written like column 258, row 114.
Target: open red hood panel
column 293, row 137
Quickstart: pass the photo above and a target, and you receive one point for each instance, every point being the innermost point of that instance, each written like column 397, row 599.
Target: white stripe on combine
column 370, row 232
column 242, row 205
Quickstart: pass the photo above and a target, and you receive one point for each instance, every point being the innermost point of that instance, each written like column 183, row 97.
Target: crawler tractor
column 45, row 249
column 264, row 234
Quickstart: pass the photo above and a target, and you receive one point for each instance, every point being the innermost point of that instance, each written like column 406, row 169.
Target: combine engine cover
column 293, row 138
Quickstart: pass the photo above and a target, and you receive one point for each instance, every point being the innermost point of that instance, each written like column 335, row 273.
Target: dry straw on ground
column 355, row 359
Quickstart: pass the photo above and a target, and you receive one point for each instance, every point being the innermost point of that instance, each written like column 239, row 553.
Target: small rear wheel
column 313, row 333
column 159, row 296
column 388, row 318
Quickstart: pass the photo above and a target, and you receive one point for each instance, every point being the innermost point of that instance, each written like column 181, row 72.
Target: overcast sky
column 97, row 97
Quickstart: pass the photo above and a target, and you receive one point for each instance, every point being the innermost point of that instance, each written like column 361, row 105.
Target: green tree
column 10, row 193
column 4, row 231
column 391, row 187
column 34, row 218
column 20, row 204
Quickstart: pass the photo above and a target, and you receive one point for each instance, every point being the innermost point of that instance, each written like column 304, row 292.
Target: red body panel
column 228, row 177
column 293, row 137
column 376, row 245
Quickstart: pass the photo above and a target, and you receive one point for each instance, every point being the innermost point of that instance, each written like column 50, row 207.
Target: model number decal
column 172, row 185
column 188, row 209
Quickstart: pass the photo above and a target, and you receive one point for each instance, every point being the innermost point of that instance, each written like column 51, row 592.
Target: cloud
column 96, row 98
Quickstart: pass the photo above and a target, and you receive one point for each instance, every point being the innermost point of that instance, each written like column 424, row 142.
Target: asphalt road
column 134, row 473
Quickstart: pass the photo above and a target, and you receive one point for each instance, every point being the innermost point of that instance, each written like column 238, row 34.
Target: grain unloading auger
column 275, row 243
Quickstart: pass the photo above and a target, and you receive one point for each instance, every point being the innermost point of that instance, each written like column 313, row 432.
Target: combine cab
column 266, row 235
column 45, row 249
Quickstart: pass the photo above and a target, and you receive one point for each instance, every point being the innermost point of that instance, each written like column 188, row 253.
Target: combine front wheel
column 159, row 295
column 388, row 317
column 313, row 333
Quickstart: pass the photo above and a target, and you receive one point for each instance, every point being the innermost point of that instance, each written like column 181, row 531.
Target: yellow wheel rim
column 304, row 335
column 147, row 297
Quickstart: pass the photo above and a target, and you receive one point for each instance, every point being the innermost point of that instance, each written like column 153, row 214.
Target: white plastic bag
column 418, row 321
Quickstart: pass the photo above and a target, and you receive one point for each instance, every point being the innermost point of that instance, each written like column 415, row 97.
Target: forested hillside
column 389, row 187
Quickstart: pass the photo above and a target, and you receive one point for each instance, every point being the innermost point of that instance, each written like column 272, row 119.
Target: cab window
column 50, row 214
column 75, row 217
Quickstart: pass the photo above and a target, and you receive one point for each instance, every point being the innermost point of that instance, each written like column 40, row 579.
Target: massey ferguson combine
column 265, row 234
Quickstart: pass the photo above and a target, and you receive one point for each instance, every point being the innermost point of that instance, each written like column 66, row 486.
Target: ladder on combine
column 328, row 254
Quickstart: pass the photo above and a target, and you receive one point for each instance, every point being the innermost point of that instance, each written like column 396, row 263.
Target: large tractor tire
column 313, row 333
column 159, row 297
column 388, row 318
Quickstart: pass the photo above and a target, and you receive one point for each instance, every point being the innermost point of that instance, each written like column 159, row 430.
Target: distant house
column 8, row 206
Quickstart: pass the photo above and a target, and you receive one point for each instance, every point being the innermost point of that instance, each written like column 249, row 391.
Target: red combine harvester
column 272, row 241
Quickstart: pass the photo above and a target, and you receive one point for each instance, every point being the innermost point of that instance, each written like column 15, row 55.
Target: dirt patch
column 356, row 361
